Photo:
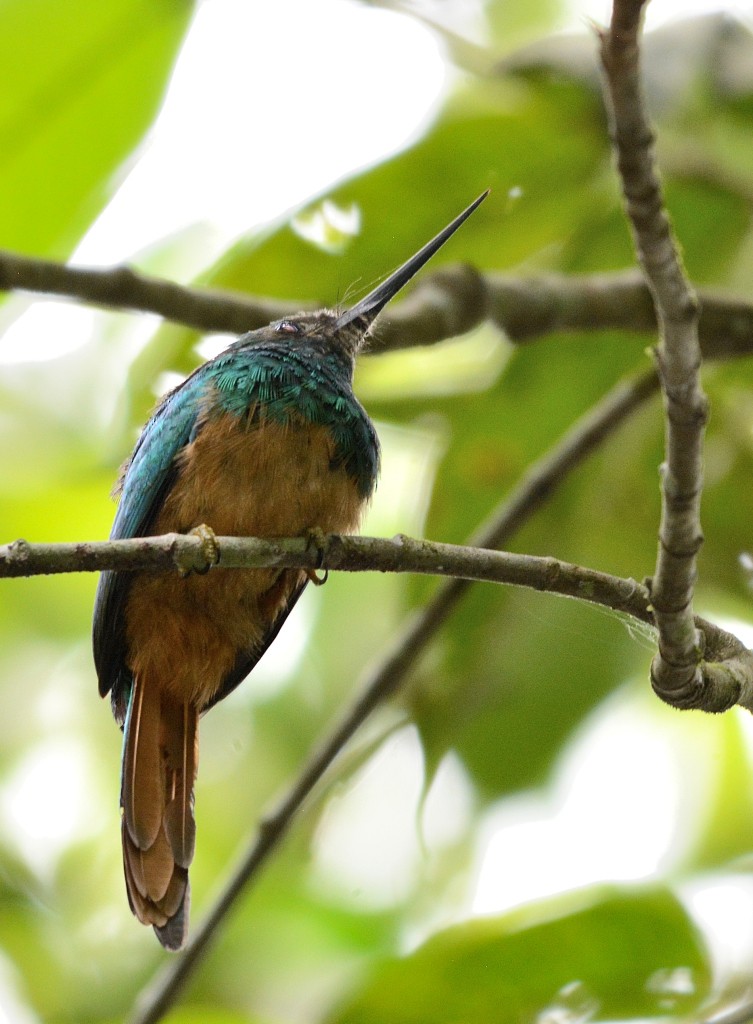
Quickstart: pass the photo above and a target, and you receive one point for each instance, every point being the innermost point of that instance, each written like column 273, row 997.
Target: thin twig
column 390, row 674
column 676, row 671
column 445, row 303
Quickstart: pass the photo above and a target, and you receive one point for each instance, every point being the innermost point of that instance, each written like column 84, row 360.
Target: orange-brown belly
column 270, row 480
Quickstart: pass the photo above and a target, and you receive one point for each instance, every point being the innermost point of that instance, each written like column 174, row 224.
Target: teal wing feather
column 147, row 478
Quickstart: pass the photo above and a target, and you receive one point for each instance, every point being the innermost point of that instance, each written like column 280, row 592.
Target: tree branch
column 333, row 552
column 127, row 289
column 676, row 672
column 445, row 303
column 345, row 553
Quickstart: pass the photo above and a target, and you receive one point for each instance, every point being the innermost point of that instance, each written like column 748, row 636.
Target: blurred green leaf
column 82, row 82
column 605, row 953
column 511, row 25
column 208, row 1014
column 726, row 829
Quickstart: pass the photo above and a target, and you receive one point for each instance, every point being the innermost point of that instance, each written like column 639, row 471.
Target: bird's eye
column 287, row 327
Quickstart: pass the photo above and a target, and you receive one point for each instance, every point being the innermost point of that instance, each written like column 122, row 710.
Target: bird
column 266, row 439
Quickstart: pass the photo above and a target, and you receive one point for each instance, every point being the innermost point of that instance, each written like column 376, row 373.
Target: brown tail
column 160, row 760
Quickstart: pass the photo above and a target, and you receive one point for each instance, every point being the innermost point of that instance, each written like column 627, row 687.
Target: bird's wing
column 247, row 659
column 146, row 479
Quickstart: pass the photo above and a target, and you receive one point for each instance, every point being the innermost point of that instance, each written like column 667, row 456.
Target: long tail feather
column 141, row 765
column 160, row 761
column 183, row 754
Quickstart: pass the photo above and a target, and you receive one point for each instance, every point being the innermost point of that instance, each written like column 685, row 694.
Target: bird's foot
column 316, row 539
column 210, row 550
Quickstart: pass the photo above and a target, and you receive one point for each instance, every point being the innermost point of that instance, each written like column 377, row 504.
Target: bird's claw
column 210, row 550
column 316, row 539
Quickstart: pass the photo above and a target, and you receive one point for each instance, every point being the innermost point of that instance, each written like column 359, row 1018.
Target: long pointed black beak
column 377, row 299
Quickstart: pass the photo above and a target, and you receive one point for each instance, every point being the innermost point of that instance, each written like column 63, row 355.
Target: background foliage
column 529, row 726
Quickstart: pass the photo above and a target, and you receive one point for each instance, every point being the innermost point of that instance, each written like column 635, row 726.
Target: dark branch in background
column 444, row 304
column 126, row 289
column 387, row 677
column 527, row 308
column 676, row 672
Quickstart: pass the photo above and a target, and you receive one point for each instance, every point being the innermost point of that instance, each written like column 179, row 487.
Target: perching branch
column 401, row 554
column 335, row 552
column 444, row 304
column 676, row 672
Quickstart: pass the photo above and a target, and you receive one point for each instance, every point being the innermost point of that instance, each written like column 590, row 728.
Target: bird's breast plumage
column 307, row 384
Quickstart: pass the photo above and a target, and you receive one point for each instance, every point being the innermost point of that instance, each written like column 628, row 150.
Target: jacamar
column 266, row 440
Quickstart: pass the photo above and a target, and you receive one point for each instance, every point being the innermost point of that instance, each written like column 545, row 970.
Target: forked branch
column 677, row 672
